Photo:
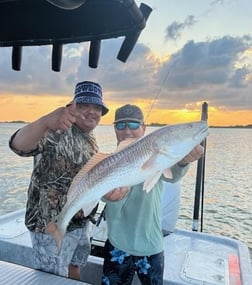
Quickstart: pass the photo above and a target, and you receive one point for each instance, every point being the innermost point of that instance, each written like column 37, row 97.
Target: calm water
column 228, row 183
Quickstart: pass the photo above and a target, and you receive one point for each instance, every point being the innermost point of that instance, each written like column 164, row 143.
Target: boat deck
column 190, row 257
column 14, row 274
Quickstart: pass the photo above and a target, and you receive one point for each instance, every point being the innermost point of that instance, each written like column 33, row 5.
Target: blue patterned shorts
column 75, row 250
column 120, row 267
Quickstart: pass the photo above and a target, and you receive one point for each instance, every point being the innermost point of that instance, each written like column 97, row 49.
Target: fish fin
column 89, row 208
column 52, row 229
column 168, row 173
column 151, row 181
column 125, row 143
column 148, row 164
column 157, row 157
column 90, row 164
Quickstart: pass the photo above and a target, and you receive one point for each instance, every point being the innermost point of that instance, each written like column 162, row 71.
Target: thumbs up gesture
column 62, row 118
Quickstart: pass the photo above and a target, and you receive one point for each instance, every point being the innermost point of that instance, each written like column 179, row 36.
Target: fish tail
column 58, row 235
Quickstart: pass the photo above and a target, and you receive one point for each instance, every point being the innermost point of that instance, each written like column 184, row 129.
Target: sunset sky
column 190, row 52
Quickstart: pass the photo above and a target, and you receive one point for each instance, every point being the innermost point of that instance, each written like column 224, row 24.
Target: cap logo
column 128, row 111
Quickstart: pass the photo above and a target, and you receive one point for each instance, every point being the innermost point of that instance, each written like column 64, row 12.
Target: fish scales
column 123, row 161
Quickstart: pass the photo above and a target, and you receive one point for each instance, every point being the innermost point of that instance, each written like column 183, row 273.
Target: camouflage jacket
column 57, row 159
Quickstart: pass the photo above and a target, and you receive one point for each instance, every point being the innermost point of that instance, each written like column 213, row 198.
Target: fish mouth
column 201, row 133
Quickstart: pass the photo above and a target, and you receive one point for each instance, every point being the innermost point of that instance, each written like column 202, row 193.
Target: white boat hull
column 190, row 257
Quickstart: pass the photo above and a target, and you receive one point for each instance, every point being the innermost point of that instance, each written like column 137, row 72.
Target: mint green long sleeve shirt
column 134, row 223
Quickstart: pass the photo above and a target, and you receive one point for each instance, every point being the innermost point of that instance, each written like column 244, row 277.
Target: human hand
column 117, row 194
column 195, row 154
column 62, row 118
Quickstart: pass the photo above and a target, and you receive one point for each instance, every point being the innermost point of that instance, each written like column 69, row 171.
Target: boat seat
column 11, row 274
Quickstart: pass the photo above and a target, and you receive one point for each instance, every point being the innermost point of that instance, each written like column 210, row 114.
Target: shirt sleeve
column 23, row 153
column 177, row 173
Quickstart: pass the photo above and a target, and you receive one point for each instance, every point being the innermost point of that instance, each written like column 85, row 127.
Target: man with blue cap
column 60, row 142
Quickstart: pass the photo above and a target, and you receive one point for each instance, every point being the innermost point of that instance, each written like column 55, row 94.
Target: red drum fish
column 143, row 160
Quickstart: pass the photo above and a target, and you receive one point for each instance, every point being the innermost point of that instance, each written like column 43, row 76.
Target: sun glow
column 29, row 108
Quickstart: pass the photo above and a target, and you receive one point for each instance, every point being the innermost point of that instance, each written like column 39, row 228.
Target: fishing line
column 159, row 92
column 156, row 97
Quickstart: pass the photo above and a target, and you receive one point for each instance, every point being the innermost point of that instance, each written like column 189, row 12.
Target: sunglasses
column 120, row 126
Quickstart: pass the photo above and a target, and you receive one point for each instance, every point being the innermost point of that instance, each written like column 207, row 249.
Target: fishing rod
column 200, row 179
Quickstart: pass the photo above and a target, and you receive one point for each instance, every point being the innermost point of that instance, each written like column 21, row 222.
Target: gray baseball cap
column 129, row 113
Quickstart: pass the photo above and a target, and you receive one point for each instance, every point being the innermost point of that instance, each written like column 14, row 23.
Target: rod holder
column 94, row 53
column 131, row 39
column 56, row 56
column 16, row 57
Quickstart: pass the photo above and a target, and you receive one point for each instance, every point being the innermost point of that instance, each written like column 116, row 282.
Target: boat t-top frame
column 59, row 22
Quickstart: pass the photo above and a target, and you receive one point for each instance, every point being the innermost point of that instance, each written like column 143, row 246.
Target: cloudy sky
column 190, row 52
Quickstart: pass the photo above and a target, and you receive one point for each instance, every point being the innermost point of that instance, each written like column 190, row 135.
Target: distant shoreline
column 15, row 122
column 151, row 125
column 237, row 126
